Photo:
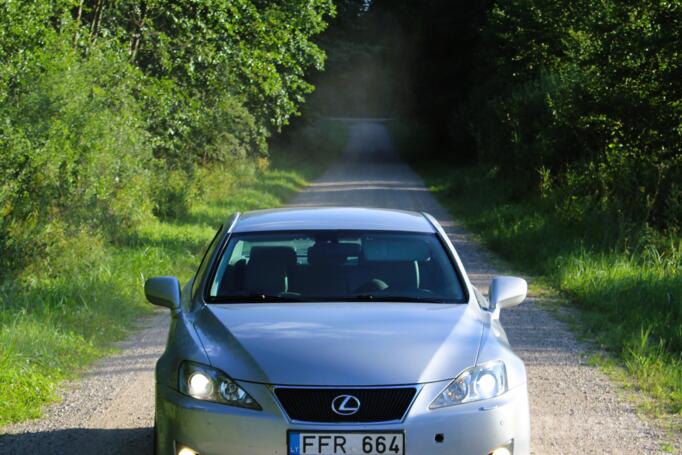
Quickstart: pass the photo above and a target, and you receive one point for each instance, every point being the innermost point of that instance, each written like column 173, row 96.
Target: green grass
column 55, row 322
column 630, row 297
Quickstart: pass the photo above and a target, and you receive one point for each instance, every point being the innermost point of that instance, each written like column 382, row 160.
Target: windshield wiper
column 258, row 297
column 391, row 298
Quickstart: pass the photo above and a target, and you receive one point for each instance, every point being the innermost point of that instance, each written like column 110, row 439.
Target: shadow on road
column 81, row 441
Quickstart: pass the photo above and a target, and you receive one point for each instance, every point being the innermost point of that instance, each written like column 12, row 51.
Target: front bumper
column 215, row 429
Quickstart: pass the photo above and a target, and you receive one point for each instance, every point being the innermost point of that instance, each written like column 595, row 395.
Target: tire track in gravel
column 574, row 407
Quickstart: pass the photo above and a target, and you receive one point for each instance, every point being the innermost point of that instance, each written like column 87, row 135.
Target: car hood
column 341, row 344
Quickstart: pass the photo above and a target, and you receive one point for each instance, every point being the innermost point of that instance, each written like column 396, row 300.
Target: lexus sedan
column 337, row 331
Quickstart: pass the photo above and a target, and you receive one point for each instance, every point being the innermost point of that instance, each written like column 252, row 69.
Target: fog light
column 506, row 449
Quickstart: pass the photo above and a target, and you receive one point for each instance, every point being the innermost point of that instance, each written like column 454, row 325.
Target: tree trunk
column 96, row 20
column 137, row 36
column 76, row 36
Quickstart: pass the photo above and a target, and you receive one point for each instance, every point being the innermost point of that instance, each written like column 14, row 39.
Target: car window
column 204, row 262
column 335, row 266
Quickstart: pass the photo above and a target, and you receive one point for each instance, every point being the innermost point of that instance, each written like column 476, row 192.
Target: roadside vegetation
column 628, row 295
column 128, row 132
column 62, row 312
column 556, row 129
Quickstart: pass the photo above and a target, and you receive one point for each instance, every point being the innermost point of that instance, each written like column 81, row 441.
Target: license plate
column 311, row 443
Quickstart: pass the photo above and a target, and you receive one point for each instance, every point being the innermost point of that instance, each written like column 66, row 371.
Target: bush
column 108, row 114
column 75, row 151
column 629, row 292
column 589, row 92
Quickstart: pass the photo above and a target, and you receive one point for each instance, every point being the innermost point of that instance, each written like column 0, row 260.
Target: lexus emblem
column 345, row 405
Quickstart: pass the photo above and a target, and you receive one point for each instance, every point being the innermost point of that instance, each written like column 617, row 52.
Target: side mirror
column 506, row 292
column 163, row 291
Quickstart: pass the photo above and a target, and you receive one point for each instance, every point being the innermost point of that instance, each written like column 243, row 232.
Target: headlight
column 476, row 383
column 205, row 383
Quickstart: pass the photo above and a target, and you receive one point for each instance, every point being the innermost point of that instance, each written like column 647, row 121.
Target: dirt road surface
column 574, row 407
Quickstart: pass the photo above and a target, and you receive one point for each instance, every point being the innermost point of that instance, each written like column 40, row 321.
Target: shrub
column 75, row 151
column 588, row 91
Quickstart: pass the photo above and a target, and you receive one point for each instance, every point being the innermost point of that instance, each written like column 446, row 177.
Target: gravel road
column 574, row 407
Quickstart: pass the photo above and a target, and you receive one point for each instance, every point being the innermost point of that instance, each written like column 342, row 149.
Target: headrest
column 278, row 254
column 395, row 249
column 332, row 253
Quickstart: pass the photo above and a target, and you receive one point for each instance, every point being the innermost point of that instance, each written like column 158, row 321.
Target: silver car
column 337, row 331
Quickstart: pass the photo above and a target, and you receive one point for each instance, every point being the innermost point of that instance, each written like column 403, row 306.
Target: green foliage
column 24, row 27
column 110, row 110
column 255, row 51
column 72, row 157
column 128, row 131
column 587, row 91
column 590, row 92
column 630, row 294
column 575, row 118
column 67, row 308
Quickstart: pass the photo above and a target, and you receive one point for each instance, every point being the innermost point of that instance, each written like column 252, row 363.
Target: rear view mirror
column 506, row 292
column 163, row 291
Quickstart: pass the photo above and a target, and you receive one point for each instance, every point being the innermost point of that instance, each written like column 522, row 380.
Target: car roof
column 332, row 218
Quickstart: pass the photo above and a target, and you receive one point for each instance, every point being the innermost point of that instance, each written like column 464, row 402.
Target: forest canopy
column 109, row 107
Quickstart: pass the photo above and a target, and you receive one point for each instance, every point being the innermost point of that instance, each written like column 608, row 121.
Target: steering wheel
column 373, row 285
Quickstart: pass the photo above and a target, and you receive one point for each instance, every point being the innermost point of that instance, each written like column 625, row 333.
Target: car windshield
column 335, row 266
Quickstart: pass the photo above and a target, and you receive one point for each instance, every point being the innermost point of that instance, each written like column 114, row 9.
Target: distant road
column 575, row 409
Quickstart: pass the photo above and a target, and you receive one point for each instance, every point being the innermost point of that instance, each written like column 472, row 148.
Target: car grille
column 315, row 405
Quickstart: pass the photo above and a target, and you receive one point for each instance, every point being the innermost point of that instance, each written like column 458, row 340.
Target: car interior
column 329, row 268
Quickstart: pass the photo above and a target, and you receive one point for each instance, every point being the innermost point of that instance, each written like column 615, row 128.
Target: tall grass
column 632, row 305
column 59, row 315
column 626, row 282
